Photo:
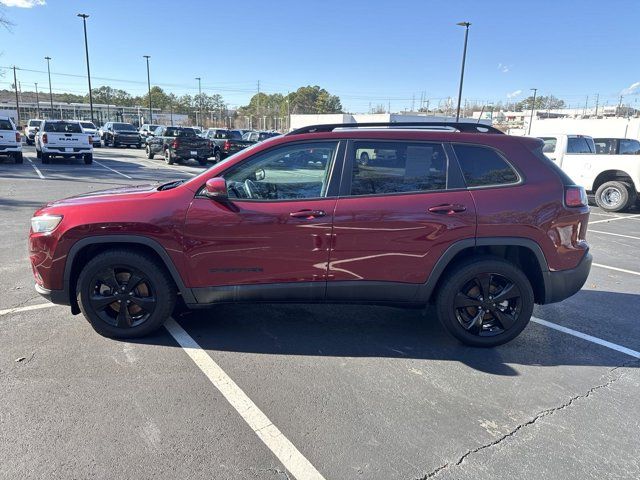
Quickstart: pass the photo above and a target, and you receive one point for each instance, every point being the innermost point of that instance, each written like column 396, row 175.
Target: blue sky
column 367, row 52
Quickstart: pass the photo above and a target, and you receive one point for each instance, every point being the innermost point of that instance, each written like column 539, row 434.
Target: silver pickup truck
column 65, row 139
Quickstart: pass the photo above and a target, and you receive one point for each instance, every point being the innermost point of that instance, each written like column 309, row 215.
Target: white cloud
column 515, row 93
column 504, row 68
column 23, row 3
column 633, row 88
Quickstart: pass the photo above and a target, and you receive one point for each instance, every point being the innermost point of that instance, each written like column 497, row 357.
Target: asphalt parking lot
column 334, row 392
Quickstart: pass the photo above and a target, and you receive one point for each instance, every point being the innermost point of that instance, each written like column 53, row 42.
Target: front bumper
column 59, row 297
column 120, row 140
column 562, row 284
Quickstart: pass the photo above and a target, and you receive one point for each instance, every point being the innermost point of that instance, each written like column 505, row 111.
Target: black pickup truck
column 226, row 142
column 617, row 146
column 177, row 144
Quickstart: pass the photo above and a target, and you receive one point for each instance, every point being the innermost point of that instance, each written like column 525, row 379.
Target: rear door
column 396, row 216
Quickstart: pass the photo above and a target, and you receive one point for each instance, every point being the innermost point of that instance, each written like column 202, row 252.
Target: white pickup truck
column 614, row 180
column 10, row 144
column 62, row 138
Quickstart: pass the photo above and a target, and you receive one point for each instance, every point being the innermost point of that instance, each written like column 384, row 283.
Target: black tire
column 38, row 154
column 18, row 158
column 475, row 319
column 114, row 144
column 202, row 161
column 168, row 157
column 615, row 196
column 45, row 158
column 217, row 156
column 149, row 153
column 88, row 158
column 364, row 158
column 106, row 277
column 29, row 142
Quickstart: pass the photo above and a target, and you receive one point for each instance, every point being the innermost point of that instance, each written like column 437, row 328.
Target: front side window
column 629, row 147
column 483, row 167
column 381, row 168
column 291, row 172
column 580, row 145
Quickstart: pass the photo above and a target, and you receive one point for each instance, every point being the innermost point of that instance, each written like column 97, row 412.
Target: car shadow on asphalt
column 368, row 331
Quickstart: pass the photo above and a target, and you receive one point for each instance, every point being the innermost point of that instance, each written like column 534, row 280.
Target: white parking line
column 614, row 219
column 272, row 437
column 36, row 169
column 589, row 338
column 109, row 168
column 614, row 234
column 615, row 268
column 27, row 308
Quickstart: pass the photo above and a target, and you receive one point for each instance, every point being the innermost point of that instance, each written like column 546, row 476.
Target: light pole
column 37, row 101
column 149, row 88
column 464, row 57
column 84, row 17
column 15, row 85
column 533, row 105
column 199, row 99
column 48, row 59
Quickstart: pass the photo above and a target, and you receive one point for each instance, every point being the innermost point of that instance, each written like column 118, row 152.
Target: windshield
column 235, row 135
column 179, row 132
column 62, row 127
column 35, row 123
column 88, row 125
column 124, row 126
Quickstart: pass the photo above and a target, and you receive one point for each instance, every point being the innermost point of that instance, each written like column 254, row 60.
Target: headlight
column 45, row 223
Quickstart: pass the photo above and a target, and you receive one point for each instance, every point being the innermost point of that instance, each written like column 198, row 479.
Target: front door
column 271, row 240
column 402, row 205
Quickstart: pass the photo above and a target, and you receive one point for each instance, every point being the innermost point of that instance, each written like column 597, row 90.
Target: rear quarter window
column 484, row 167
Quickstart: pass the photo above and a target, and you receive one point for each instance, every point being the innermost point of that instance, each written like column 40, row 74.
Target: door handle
column 308, row 214
column 448, row 209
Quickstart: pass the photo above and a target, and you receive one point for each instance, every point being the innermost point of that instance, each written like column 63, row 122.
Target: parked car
column 10, row 143
column 147, row 129
column 613, row 180
column 474, row 222
column 198, row 131
column 617, row 146
column 115, row 134
column 31, row 129
column 177, row 144
column 258, row 136
column 91, row 129
column 226, row 142
column 63, row 139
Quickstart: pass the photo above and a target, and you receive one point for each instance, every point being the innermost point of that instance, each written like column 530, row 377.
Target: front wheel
column 615, row 196
column 125, row 294
column 485, row 302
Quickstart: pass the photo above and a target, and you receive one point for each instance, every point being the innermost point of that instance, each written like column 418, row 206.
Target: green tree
column 542, row 103
column 159, row 99
column 112, row 96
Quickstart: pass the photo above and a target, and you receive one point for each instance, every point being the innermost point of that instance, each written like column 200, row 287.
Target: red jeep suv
column 479, row 223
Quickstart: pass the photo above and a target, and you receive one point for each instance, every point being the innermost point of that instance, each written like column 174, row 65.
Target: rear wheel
column 202, row 161
column 615, row 196
column 124, row 294
column 169, row 157
column 217, row 156
column 45, row 158
column 18, row 158
column 88, row 158
column 38, row 154
column 485, row 302
column 149, row 153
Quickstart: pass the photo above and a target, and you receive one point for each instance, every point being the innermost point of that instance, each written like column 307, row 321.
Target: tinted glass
column 62, row 127
column 179, row 132
column 604, row 145
column 123, row 126
column 396, row 167
column 35, row 123
column 482, row 166
column 5, row 125
column 235, row 135
column 222, row 134
column 291, row 172
column 549, row 144
column 629, row 147
column 87, row 125
column 579, row 145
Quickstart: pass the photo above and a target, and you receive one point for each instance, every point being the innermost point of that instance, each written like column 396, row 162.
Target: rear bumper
column 562, row 284
column 7, row 149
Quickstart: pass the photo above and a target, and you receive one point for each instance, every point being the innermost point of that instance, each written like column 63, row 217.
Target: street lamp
column 149, row 88
column 84, row 17
column 199, row 99
column 37, row 101
column 533, row 104
column 464, row 57
column 48, row 59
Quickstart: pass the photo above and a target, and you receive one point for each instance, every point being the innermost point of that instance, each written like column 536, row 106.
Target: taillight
column 210, row 144
column 227, row 145
column 44, row 138
column 18, row 137
column 90, row 140
column 575, row 196
column 175, row 144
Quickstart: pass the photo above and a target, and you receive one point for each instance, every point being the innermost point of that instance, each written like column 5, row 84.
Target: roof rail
column 464, row 127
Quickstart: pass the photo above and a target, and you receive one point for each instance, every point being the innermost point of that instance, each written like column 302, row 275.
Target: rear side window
column 5, row 125
column 62, row 127
column 389, row 167
column 580, row 145
column 483, row 167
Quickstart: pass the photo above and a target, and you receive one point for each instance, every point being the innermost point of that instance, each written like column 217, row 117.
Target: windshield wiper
column 170, row 185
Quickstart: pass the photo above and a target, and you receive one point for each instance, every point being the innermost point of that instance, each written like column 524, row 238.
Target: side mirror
column 216, row 188
column 259, row 174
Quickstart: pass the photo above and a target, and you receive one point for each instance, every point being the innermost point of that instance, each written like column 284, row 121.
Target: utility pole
column 413, row 103
column 84, row 17
column 533, row 105
column 149, row 89
column 199, row 99
column 258, row 112
column 48, row 59
column 15, row 86
column 108, row 103
column 464, row 57
column 597, row 100
column 37, row 102
column 586, row 106
column 619, row 109
column 389, row 107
